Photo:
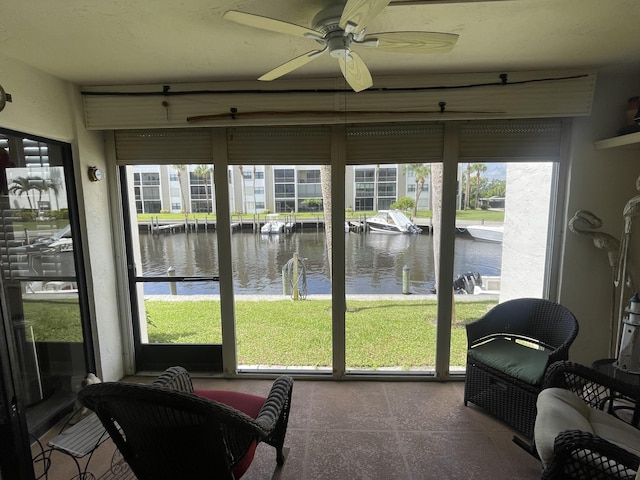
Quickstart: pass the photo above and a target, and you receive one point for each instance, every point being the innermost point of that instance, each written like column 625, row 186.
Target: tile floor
column 394, row 430
column 379, row 430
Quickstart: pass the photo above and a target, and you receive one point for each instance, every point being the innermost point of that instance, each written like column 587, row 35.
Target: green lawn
column 475, row 215
column 381, row 333
column 56, row 320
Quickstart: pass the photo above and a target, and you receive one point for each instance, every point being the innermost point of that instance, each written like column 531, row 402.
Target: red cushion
column 246, row 403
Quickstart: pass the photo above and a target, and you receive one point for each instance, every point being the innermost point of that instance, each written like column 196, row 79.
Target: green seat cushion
column 512, row 359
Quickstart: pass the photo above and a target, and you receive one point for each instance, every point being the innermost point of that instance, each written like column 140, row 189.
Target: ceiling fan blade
column 356, row 72
column 291, row 65
column 411, row 42
column 359, row 13
column 271, row 24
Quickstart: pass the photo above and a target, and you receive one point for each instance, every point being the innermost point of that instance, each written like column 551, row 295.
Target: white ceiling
column 112, row 42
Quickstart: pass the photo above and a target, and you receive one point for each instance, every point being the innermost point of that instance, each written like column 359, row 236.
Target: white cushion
column 560, row 410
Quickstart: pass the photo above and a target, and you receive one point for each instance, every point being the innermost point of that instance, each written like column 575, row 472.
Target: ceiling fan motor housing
column 339, row 45
column 328, row 20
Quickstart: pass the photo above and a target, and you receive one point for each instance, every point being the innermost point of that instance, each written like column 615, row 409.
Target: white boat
column 472, row 283
column 272, row 225
column 392, row 221
column 486, row 233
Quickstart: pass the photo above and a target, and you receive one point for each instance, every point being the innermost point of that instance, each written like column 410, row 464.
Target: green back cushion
column 513, row 359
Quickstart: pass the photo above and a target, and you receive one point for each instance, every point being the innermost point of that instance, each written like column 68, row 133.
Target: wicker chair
column 509, row 350
column 168, row 431
column 580, row 454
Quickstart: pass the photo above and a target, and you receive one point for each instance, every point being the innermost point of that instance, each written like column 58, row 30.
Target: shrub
column 403, row 203
column 28, row 215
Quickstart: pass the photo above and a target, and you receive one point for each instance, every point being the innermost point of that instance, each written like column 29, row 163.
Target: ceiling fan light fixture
column 339, row 46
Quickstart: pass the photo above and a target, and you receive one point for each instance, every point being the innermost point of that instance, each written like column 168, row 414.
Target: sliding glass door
column 233, row 265
column 47, row 345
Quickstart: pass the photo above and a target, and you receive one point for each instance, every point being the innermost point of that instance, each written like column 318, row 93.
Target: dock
column 246, row 223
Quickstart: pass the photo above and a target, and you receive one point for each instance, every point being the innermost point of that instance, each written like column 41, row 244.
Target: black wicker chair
column 580, row 454
column 166, row 431
column 509, row 350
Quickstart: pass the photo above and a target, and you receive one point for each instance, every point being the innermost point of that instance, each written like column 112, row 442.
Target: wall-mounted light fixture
column 4, row 98
column 95, row 174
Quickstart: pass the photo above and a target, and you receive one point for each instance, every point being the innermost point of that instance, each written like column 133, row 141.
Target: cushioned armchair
column 587, row 425
column 168, row 431
column 509, row 350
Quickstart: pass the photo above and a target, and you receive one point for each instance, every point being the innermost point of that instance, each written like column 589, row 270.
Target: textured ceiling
column 160, row 41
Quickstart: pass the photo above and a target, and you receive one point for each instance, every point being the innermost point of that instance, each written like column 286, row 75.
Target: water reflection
column 374, row 263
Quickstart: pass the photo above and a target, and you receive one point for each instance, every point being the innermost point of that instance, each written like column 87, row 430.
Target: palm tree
column 478, row 168
column 55, row 184
column 38, row 186
column 204, row 172
column 242, row 189
column 436, row 207
column 180, row 169
column 420, row 172
column 325, row 185
column 23, row 185
column 467, row 188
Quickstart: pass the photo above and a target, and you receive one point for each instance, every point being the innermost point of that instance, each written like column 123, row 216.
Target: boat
column 486, row 233
column 392, row 221
column 272, row 225
column 472, row 283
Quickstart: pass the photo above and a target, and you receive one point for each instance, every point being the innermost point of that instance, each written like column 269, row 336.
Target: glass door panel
column 502, row 240
column 173, row 253
column 390, row 269
column 281, row 281
column 42, row 289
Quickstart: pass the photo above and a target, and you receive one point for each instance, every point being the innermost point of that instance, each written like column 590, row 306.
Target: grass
column 380, row 333
column 55, row 320
column 474, row 215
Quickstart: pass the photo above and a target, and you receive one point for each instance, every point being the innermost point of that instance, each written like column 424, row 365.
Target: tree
column 55, row 184
column 24, row 185
column 325, row 185
column 204, row 172
column 180, row 169
column 404, row 203
column 420, row 172
column 478, row 168
column 312, row 203
column 437, row 179
column 467, row 188
column 242, row 189
column 496, row 188
column 436, row 207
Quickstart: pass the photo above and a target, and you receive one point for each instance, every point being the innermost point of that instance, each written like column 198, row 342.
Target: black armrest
column 588, row 456
column 175, row 378
column 277, row 402
column 592, row 386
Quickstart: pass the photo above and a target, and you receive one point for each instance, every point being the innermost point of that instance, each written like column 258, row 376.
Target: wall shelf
column 630, row 140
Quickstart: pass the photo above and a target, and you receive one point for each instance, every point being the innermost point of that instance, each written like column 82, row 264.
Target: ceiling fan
column 340, row 27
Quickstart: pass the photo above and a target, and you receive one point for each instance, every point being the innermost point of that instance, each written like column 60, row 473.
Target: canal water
column 374, row 261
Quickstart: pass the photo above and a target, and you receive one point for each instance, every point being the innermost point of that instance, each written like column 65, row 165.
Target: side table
column 616, row 402
column 79, row 442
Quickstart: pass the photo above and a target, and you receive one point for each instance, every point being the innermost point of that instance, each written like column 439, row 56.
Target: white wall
column 41, row 103
column 526, row 223
column 48, row 107
column 601, row 182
